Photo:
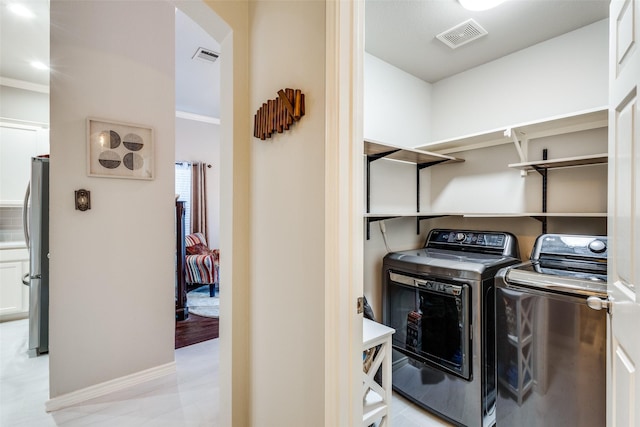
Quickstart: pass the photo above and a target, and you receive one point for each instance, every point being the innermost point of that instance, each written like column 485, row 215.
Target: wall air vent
column 206, row 55
column 462, row 34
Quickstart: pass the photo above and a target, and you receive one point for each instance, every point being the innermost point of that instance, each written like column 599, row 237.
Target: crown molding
column 197, row 117
column 21, row 84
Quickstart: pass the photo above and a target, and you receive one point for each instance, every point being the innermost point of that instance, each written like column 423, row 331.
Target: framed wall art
column 119, row 150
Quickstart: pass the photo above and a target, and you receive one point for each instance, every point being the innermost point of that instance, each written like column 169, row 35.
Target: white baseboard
column 14, row 316
column 110, row 386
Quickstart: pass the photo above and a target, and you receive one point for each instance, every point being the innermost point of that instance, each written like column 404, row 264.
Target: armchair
column 201, row 263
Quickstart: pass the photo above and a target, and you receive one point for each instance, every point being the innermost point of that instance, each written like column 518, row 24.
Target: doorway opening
column 197, row 179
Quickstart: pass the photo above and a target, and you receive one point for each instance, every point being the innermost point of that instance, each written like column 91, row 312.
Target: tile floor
column 188, row 398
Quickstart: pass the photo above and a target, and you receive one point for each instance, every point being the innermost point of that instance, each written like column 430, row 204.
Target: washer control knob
column 597, row 246
column 460, row 237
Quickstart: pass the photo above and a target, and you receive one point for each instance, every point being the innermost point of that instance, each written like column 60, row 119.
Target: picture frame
column 119, row 150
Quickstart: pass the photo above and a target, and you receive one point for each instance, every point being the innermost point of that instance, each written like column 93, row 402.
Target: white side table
column 376, row 399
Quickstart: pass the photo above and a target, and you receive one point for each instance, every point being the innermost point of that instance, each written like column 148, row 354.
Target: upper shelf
column 372, row 148
column 558, row 125
column 593, row 159
column 384, row 216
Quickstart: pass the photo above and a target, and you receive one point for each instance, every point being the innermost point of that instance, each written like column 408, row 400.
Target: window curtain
column 199, row 199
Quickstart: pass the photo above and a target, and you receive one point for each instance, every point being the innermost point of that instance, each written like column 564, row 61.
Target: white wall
column 485, row 184
column 112, row 267
column 397, row 105
column 22, row 104
column 397, row 111
column 560, row 76
column 563, row 75
column 200, row 142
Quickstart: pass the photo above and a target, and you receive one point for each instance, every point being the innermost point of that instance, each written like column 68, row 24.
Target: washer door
column 432, row 321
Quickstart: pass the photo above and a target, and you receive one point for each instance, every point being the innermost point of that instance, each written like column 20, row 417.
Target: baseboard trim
column 107, row 387
column 14, row 316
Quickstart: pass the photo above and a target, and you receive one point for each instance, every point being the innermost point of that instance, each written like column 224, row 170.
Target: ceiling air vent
column 206, row 55
column 462, row 34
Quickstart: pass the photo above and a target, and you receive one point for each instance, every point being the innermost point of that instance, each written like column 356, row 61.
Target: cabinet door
column 13, row 294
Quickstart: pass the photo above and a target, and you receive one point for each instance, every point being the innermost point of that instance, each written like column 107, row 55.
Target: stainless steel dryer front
column 551, row 334
column 440, row 301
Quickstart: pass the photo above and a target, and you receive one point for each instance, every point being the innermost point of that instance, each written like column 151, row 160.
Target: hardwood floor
column 196, row 329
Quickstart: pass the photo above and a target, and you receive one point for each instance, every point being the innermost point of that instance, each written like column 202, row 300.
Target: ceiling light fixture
column 21, row 10
column 479, row 4
column 39, row 65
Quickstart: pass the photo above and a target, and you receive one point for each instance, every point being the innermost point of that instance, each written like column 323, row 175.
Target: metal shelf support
column 544, row 173
column 372, row 158
column 376, row 219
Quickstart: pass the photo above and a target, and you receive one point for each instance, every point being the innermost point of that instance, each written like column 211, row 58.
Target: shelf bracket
column 521, row 146
column 373, row 158
column 543, row 221
column 376, row 219
column 370, row 220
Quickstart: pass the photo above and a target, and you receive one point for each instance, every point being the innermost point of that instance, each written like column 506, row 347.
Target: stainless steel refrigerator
column 36, row 228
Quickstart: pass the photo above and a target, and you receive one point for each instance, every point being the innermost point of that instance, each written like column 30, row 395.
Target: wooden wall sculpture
column 276, row 115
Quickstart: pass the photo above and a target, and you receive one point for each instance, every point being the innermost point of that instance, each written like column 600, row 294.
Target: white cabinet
column 18, row 144
column 518, row 378
column 376, row 398
column 14, row 296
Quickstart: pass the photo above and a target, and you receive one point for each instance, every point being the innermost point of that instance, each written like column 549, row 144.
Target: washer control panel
column 473, row 238
column 570, row 246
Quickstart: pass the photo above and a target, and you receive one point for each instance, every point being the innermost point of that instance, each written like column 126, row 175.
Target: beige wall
column 112, row 267
column 286, row 310
column 229, row 25
column 276, row 295
column 118, row 296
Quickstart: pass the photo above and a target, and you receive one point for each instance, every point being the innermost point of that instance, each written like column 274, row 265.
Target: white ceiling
column 197, row 81
column 24, row 40
column 400, row 32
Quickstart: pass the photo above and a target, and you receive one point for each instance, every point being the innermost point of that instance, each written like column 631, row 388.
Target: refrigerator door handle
column 25, row 281
column 25, row 215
